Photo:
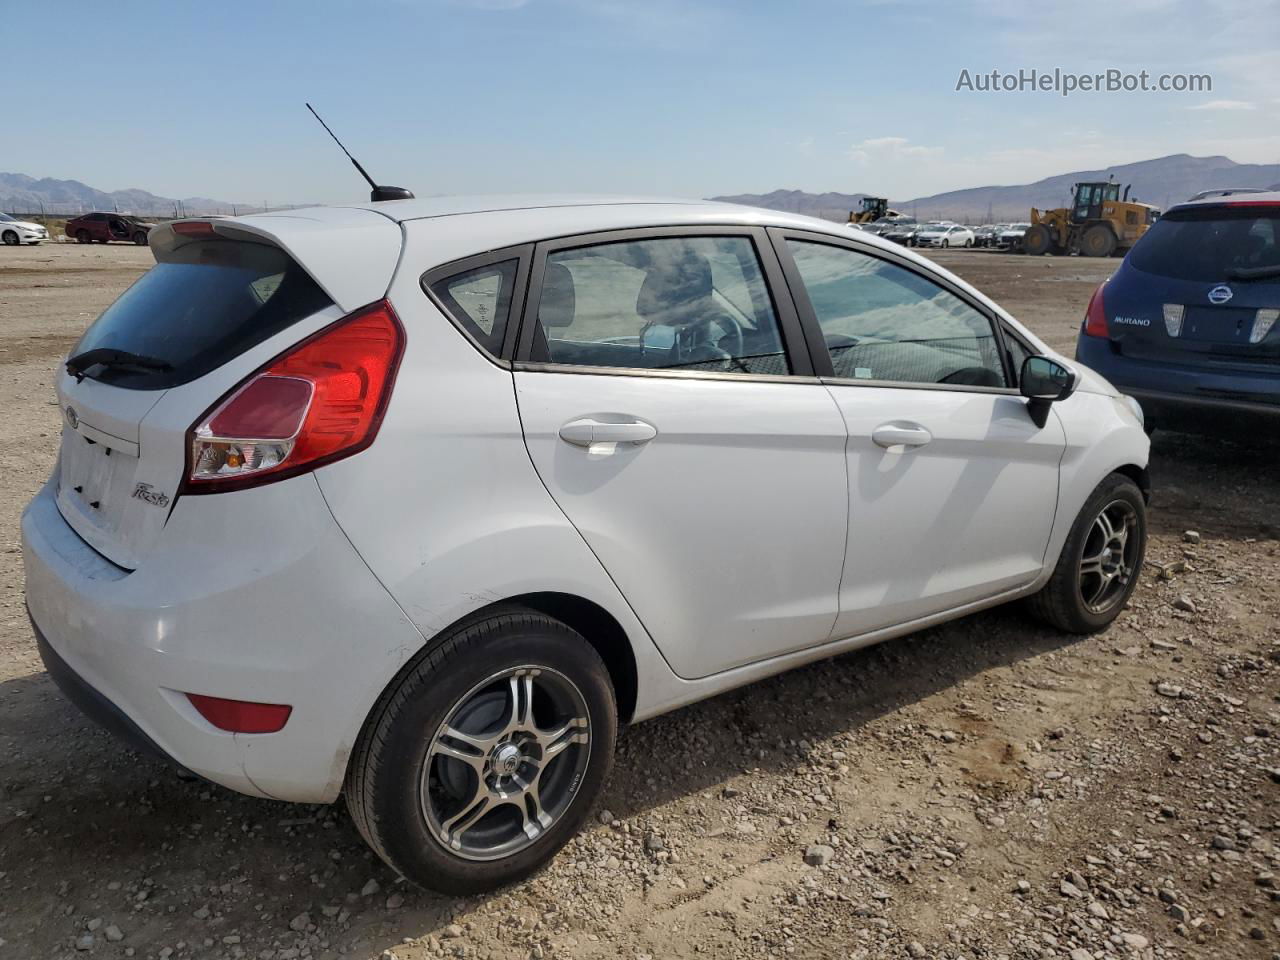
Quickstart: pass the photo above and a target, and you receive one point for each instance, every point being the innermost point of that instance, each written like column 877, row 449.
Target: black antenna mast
column 378, row 193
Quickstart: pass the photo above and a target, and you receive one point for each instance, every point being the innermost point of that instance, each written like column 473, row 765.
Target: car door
column 668, row 404
column 952, row 487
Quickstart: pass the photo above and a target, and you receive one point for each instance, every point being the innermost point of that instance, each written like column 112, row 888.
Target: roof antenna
column 378, row 193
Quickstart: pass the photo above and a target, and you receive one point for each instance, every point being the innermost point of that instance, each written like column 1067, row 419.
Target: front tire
column 484, row 758
column 1098, row 569
column 10, row 238
column 140, row 238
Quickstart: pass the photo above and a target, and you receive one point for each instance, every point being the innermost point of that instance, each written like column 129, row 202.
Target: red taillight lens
column 241, row 716
column 1095, row 317
column 319, row 402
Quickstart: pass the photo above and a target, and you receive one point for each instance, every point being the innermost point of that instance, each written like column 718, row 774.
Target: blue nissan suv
column 1190, row 323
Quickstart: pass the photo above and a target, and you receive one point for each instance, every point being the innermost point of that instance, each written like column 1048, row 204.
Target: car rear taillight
column 1095, row 317
column 1173, row 314
column 320, row 401
column 1263, row 321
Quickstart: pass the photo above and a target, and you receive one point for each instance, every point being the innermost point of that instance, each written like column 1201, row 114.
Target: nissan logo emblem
column 1220, row 294
column 73, row 419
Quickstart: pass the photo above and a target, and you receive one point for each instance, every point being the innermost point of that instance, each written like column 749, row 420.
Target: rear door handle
column 901, row 435
column 586, row 431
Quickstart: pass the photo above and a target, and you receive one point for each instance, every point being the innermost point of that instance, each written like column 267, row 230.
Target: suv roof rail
column 1226, row 192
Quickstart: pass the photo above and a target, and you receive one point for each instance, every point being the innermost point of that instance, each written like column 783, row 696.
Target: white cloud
column 880, row 149
column 1224, row 105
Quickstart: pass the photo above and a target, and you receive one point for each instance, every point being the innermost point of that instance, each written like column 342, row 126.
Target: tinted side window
column 883, row 322
column 479, row 301
column 672, row 303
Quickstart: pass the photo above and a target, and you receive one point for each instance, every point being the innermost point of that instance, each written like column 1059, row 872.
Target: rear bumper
column 275, row 607
column 1187, row 398
column 92, row 703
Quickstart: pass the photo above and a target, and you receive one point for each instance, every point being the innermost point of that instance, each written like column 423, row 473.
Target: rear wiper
column 114, row 359
column 1253, row 273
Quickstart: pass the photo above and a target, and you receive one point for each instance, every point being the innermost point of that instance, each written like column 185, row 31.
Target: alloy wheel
column 1109, row 557
column 506, row 762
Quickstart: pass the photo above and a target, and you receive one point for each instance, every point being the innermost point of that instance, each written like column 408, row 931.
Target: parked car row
column 945, row 233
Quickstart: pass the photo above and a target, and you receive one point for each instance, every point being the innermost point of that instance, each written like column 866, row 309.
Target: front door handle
column 901, row 435
column 586, row 431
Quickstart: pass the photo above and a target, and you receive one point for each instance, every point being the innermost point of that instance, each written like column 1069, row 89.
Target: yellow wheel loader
column 873, row 209
column 1098, row 223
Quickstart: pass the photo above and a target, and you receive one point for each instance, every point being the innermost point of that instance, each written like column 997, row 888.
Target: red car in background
column 108, row 226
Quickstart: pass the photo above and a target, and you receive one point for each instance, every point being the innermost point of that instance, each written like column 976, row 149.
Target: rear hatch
column 223, row 299
column 1202, row 287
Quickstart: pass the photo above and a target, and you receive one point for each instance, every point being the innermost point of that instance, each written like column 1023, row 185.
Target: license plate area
column 1218, row 325
column 93, row 481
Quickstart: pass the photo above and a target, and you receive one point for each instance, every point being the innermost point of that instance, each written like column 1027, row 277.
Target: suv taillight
column 1095, row 317
column 318, row 402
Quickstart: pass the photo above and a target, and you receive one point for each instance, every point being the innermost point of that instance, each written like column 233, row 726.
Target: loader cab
column 1089, row 198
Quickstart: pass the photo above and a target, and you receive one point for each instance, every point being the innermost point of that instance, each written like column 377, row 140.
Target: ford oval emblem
column 1220, row 294
column 73, row 418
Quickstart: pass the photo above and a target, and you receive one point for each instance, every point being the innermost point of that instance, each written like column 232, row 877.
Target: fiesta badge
column 1220, row 294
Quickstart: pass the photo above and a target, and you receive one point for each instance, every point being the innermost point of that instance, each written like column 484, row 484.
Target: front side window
column 884, row 322
column 669, row 303
column 479, row 301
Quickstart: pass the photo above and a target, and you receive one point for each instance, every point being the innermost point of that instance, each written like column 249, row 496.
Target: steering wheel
column 731, row 327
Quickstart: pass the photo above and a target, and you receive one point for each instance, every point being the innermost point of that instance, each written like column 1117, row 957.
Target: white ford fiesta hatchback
column 414, row 502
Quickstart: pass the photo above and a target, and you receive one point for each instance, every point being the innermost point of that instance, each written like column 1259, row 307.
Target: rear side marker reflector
column 1173, row 313
column 241, row 716
column 1263, row 321
column 318, row 402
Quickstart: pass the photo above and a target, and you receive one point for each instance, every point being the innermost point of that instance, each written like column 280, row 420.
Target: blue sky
column 652, row 96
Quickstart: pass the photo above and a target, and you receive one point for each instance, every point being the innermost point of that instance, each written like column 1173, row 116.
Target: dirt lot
column 987, row 789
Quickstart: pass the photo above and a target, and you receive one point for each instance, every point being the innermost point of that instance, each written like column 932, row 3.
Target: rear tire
column 459, row 787
column 140, row 238
column 1098, row 241
column 1098, row 569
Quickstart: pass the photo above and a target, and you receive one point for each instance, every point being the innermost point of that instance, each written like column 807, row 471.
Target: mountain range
column 1163, row 182
column 20, row 193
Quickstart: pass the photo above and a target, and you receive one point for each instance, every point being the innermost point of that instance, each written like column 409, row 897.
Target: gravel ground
column 987, row 789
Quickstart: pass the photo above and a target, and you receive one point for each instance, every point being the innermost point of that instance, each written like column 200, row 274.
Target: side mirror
column 1045, row 381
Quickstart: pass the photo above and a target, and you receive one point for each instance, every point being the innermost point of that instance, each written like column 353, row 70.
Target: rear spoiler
column 351, row 253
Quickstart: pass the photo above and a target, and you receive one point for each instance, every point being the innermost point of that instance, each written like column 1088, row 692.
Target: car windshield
column 1208, row 244
column 4, row 217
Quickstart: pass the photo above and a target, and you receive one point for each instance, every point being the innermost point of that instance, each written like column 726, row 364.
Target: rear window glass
column 210, row 302
column 1208, row 244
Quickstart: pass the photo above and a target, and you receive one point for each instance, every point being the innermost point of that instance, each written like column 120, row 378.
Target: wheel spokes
column 555, row 742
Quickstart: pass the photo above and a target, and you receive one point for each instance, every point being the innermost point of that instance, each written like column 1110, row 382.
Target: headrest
column 670, row 289
column 558, row 303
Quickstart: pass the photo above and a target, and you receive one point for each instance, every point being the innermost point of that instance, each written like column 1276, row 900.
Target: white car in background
column 14, row 231
column 944, row 235
column 414, row 502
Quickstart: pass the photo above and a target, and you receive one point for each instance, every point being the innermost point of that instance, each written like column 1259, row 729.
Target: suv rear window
column 1205, row 244
column 209, row 302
